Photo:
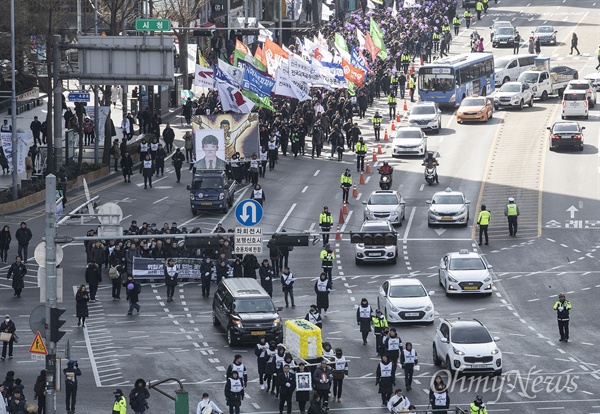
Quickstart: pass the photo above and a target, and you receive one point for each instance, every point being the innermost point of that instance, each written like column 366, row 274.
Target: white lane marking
column 421, row 187
column 410, row 219
column 316, row 173
column 158, row 201
column 304, row 189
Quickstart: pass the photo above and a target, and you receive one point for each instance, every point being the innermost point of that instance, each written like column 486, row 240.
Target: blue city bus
column 447, row 81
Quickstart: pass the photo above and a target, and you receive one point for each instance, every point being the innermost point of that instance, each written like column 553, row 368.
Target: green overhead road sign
column 153, row 25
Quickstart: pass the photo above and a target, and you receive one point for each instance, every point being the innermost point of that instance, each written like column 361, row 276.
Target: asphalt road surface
column 556, row 251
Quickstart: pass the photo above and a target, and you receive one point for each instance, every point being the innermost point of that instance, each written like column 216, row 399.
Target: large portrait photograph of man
column 210, row 149
column 240, row 133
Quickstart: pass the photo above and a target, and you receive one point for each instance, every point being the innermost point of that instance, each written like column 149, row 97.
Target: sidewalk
column 25, row 118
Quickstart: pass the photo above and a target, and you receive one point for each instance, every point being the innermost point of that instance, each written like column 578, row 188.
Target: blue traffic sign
column 249, row 212
column 79, row 97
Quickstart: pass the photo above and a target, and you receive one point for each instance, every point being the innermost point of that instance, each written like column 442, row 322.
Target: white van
column 575, row 103
column 508, row 68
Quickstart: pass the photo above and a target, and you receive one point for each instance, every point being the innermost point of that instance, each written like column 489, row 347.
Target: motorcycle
column 385, row 181
column 430, row 174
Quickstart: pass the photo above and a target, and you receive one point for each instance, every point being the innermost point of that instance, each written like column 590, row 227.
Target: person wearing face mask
column 364, row 314
column 314, row 317
column 7, row 329
column 206, row 269
column 340, row 371
column 302, row 395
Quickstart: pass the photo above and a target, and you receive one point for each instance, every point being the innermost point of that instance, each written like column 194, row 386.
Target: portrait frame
column 303, row 378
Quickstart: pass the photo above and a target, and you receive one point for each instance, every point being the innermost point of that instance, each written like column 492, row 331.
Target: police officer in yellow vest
column 376, row 120
column 511, row 211
column 483, row 220
column 598, row 53
column 411, row 87
column 456, row 24
column 120, row 405
column 445, row 27
column 345, row 184
column 479, row 9
column 379, row 324
column 394, row 84
column 468, row 17
column 392, row 105
column 325, row 222
column 327, row 256
column 485, row 5
column 405, row 61
column 436, row 40
column 562, row 308
column 361, row 150
column 477, row 406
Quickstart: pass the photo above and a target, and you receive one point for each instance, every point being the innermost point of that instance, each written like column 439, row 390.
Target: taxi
column 474, row 108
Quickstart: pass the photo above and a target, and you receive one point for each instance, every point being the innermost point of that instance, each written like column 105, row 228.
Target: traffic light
column 204, row 33
column 291, row 239
column 55, row 323
column 208, row 242
column 247, row 32
column 375, row 238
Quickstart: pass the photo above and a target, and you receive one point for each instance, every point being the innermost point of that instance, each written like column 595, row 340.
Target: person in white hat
column 511, row 211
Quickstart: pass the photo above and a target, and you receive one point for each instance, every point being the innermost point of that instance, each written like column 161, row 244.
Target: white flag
column 232, row 99
column 234, row 73
column 394, row 10
column 408, row 4
column 203, row 77
column 361, row 38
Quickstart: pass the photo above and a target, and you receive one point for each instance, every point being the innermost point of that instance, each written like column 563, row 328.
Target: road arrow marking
column 440, row 231
column 572, row 210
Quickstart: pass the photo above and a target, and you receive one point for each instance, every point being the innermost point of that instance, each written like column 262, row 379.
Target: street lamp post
column 13, row 104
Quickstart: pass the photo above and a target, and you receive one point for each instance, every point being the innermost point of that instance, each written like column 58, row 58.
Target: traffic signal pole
column 50, row 234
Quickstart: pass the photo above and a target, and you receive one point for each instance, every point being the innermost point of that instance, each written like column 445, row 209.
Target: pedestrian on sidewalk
column 93, row 277
column 5, row 239
column 39, row 390
column 127, row 166
column 7, row 329
column 23, row 236
column 17, row 271
column 169, row 137
column 36, row 129
column 115, row 151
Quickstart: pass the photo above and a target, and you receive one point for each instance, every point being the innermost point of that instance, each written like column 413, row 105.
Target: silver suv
column 380, row 252
column 425, row 115
column 385, row 204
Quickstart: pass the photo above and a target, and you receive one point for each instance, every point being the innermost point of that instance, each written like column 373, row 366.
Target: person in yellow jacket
column 477, row 406
column 483, row 220
column 485, row 5
column 468, row 16
column 598, row 53
column 479, row 9
column 325, row 222
column 361, row 150
column 120, row 404
column 456, row 24
column 562, row 308
column 511, row 211
column 345, row 184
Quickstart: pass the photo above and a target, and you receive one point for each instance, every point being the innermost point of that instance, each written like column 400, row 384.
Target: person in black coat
column 250, row 263
column 364, row 313
column 81, row 306
column 385, row 377
column 9, row 327
column 234, row 393
column 138, row 396
column 171, row 275
column 322, row 289
column 206, row 269
column 169, row 137
column 5, row 239
column 302, row 396
column 133, row 290
column 287, row 385
column 266, row 277
column 23, row 236
column 17, row 271
column 93, row 277
column 315, row 405
column 159, row 163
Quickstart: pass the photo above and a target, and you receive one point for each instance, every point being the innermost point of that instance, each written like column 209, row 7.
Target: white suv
column 581, row 85
column 575, row 103
column 466, row 346
column 425, row 115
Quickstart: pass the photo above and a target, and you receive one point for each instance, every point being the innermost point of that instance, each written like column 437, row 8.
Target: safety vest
column 262, row 350
column 391, row 100
column 272, row 146
column 340, row 364
column 360, row 148
column 364, row 312
column 327, row 258
column 456, row 21
column 598, row 52
column 409, row 356
column 325, row 219
column 467, row 14
column 376, row 120
column 445, row 28
column 385, row 369
column 477, row 410
column 511, row 209
column 313, row 318
column 240, row 369
column 436, row 37
column 143, row 147
column 154, row 147
column 147, row 164
column 346, row 179
column 322, row 285
column 279, row 360
column 440, row 398
column 120, row 406
column 404, row 58
column 394, row 80
column 484, row 218
column 411, row 83
column 235, row 385
column 254, row 164
column 380, row 322
column 562, row 315
column 479, row 6
column 295, row 137
column 393, row 344
column 258, row 194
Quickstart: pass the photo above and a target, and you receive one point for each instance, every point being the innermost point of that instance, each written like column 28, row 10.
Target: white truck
column 543, row 83
column 513, row 95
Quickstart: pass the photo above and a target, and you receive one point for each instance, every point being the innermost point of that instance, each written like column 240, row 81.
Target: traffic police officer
column 120, row 404
column 436, row 40
column 361, row 150
column 325, row 222
column 405, row 61
column 345, row 184
column 483, row 220
column 477, row 406
column 468, row 17
column 511, row 211
column 394, row 84
column 479, row 9
column 598, row 53
column 379, row 324
column 562, row 308
column 327, row 255
column 392, row 104
column 411, row 87
column 376, row 120
column 456, row 23
column 485, row 5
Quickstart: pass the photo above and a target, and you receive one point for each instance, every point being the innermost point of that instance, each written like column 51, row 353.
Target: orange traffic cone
column 362, row 178
column 398, row 118
column 345, row 208
column 393, row 127
column 385, row 135
column 355, row 190
column 379, row 150
column 338, row 235
column 405, row 106
column 368, row 169
column 374, row 156
column 341, row 220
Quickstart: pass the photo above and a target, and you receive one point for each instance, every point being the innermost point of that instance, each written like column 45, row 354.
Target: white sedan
column 465, row 272
column 405, row 300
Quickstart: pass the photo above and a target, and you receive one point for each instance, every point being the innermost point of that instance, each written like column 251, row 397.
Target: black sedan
column 566, row 134
column 565, row 73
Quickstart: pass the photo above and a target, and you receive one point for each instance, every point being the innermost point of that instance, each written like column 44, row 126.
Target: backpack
column 113, row 273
